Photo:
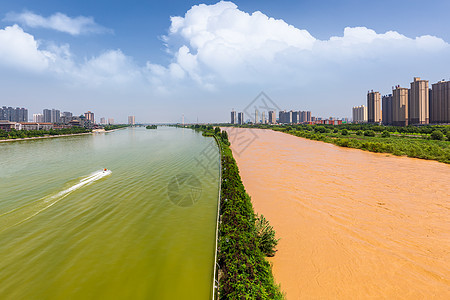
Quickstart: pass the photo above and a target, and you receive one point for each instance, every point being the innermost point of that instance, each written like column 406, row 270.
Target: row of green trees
column 151, row 126
column 246, row 239
column 113, row 127
column 16, row 134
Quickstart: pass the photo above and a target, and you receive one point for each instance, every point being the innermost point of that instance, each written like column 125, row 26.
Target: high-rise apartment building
column 131, row 120
column 111, row 121
column 400, row 101
column 295, row 118
column 440, row 103
column 373, row 107
column 52, row 116
column 263, row 117
column 256, row 116
column 285, row 117
column 47, row 115
column 240, row 118
column 386, row 110
column 233, row 117
column 418, row 106
column 38, row 118
column 14, row 114
column 303, row 116
column 90, row 117
column 359, row 114
column 103, row 121
column 272, row 117
column 56, row 116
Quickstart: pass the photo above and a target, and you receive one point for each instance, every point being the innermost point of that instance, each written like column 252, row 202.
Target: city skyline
column 179, row 61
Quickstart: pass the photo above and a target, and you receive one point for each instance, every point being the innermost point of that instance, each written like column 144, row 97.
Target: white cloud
column 219, row 43
column 19, row 49
column 58, row 21
column 218, row 46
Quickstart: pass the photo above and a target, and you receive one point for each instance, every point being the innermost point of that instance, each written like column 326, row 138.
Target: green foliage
column 320, row 129
column 266, row 236
column 369, row 133
column 217, row 130
column 113, row 127
column 246, row 274
column 245, row 239
column 437, row 135
column 359, row 132
column 19, row 134
column 335, row 130
column 224, row 135
column 344, row 132
column 385, row 134
column 152, row 127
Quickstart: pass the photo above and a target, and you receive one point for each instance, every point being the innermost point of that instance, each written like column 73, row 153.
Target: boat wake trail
column 27, row 211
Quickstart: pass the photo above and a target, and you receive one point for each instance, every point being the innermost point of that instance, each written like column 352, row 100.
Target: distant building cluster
column 17, row 118
column 14, row 114
column 284, row 117
column 407, row 106
column 294, row 117
column 131, row 120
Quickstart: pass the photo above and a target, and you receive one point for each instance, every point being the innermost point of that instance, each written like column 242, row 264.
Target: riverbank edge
column 215, row 283
column 251, row 274
column 414, row 151
column 45, row 137
column 370, row 146
column 58, row 135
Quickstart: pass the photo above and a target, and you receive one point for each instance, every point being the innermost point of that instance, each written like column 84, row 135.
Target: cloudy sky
column 161, row 59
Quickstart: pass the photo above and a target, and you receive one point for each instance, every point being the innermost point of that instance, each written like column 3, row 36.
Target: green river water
column 145, row 231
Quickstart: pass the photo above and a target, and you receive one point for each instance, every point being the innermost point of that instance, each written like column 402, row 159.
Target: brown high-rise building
column 400, row 98
column 418, row 106
column 90, row 117
column 440, row 103
column 373, row 107
column 272, row 117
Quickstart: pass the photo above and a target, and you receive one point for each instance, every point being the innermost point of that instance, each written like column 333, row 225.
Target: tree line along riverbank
column 245, row 238
column 425, row 142
column 25, row 134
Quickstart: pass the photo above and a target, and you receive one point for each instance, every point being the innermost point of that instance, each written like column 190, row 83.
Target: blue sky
column 119, row 58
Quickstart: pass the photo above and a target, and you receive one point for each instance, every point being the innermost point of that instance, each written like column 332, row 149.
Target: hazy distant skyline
column 159, row 60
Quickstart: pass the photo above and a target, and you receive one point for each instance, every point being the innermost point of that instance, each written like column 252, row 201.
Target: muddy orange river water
column 353, row 224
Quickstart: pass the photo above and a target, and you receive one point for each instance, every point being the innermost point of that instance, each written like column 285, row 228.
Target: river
column 144, row 230
column 353, row 224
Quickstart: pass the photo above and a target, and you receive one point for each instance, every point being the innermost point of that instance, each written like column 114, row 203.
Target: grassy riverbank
column 426, row 142
column 245, row 239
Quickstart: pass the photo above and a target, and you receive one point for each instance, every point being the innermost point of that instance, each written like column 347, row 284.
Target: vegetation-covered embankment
column 245, row 239
column 425, row 142
column 20, row 134
column 114, row 127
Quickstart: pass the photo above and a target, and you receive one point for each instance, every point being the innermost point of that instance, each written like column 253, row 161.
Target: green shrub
column 437, row 135
column 320, row 129
column 370, row 133
column 344, row 132
column 266, row 236
column 335, row 130
column 385, row 134
column 359, row 132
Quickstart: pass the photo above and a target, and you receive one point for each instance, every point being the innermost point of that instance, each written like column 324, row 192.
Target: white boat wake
column 27, row 211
